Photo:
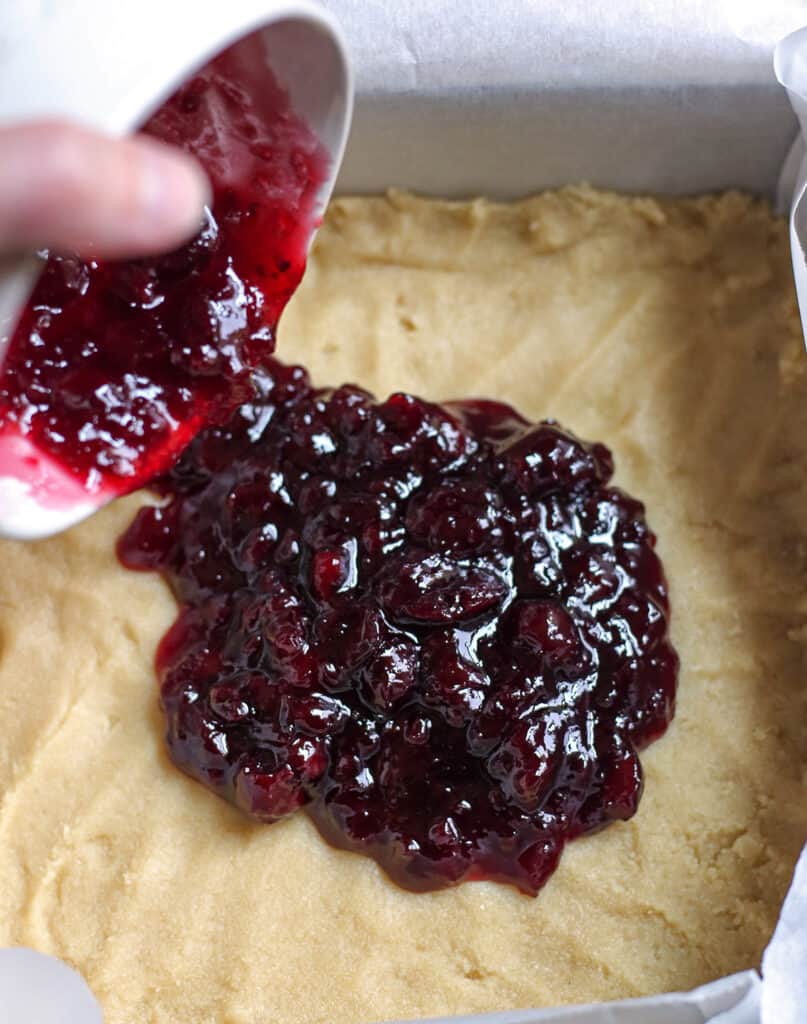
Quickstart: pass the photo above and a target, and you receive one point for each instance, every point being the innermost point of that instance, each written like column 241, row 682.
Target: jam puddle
column 436, row 629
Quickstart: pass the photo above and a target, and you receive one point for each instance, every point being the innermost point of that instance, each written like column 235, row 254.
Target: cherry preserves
column 437, row 630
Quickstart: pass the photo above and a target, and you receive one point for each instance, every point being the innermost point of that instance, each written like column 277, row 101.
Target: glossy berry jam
column 436, row 629
column 114, row 367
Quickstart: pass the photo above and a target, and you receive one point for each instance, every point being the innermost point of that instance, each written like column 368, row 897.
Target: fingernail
column 173, row 191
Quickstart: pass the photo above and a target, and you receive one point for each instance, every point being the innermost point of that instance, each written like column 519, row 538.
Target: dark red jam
column 437, row 629
column 114, row 366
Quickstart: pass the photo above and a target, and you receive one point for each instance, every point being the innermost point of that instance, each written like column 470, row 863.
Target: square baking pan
column 506, row 98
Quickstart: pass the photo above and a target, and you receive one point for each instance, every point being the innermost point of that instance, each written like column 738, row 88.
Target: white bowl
column 109, row 65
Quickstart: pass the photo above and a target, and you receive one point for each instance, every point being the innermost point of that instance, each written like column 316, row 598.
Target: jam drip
column 115, row 366
column 436, row 629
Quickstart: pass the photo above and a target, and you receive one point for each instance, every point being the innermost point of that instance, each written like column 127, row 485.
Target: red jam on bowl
column 434, row 628
column 115, row 366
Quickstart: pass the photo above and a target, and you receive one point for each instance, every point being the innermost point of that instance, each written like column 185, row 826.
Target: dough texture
column 667, row 330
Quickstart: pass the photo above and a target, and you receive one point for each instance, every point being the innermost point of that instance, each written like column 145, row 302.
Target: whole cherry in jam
column 437, row 630
column 115, row 366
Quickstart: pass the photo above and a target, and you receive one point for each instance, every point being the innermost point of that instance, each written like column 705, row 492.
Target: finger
column 67, row 188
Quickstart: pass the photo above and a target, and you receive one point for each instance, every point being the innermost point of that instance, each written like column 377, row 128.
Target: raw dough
column 667, row 330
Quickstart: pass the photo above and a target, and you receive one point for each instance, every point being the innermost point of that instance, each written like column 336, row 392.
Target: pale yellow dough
column 667, row 330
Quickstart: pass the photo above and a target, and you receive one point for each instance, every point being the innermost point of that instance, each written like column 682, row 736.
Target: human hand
column 68, row 188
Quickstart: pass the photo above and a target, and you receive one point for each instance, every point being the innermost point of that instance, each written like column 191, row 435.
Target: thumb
column 67, row 188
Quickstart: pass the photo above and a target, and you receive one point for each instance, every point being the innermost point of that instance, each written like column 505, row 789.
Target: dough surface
column 667, row 330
